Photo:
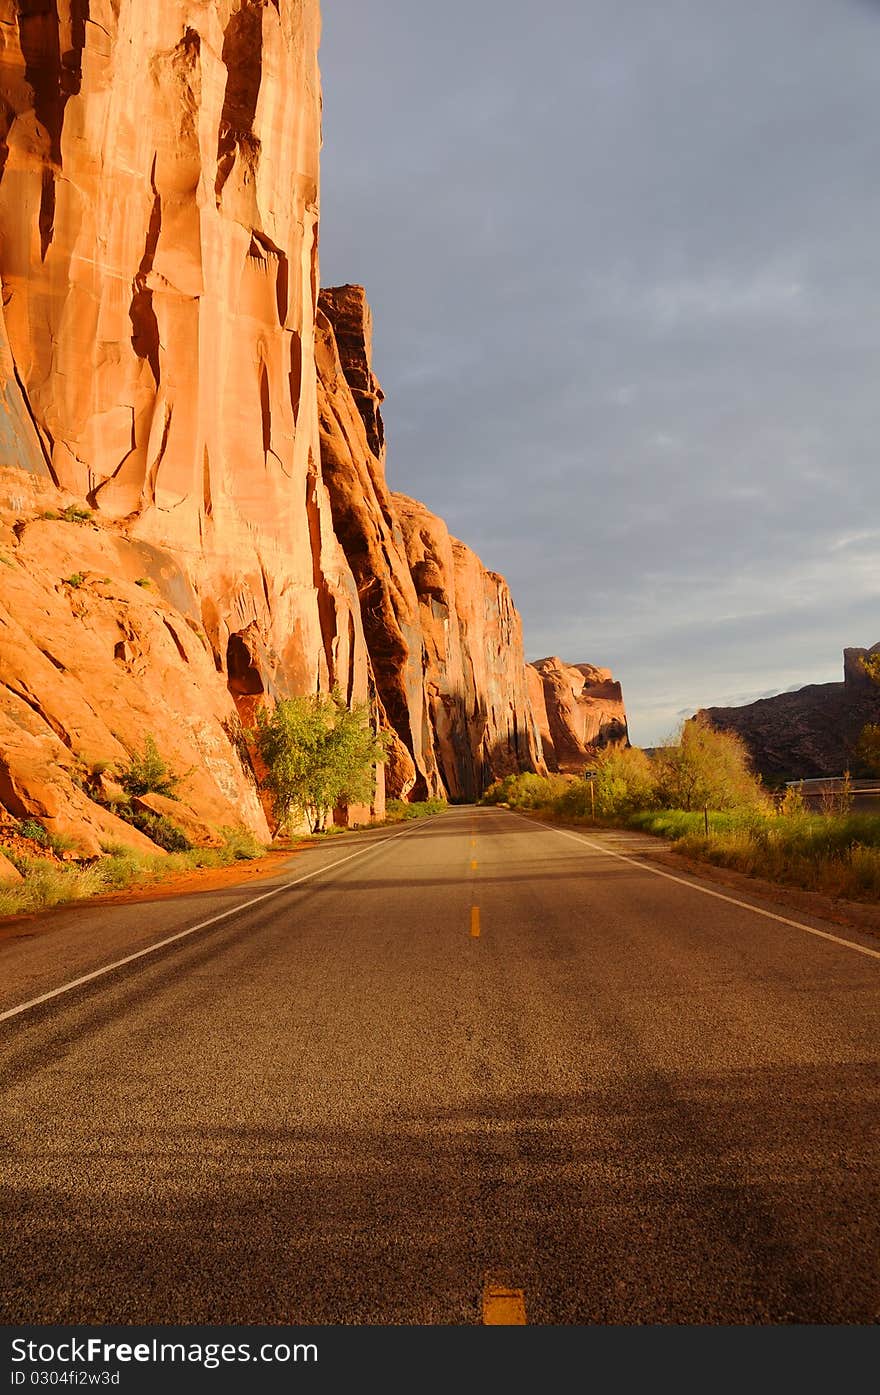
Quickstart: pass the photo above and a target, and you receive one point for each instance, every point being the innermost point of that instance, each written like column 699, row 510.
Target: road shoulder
column 862, row 916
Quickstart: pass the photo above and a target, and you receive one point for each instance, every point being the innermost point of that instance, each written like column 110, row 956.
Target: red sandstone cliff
column 444, row 637
column 191, row 521
column 579, row 710
column 158, row 256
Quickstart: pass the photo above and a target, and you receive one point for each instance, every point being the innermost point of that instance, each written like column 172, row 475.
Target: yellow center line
column 475, row 922
column 473, row 864
column 503, row 1306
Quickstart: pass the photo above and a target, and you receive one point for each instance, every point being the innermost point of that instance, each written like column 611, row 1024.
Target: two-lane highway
column 479, row 1069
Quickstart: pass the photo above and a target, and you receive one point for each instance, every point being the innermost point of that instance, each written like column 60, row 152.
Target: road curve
column 478, row 1057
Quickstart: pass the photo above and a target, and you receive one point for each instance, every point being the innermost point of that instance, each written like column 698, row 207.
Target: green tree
column 871, row 665
column 318, row 754
column 867, row 750
column 625, row 781
column 707, row 768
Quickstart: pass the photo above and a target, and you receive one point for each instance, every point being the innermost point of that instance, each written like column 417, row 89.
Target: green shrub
column 706, row 768
column 241, row 845
column 623, row 781
column 148, row 773
column 74, row 513
column 318, row 754
column 76, row 580
column 30, row 828
column 526, row 791
column 157, row 827
column 399, row 811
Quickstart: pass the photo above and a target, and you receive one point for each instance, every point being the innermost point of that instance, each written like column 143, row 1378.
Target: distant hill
column 810, row 732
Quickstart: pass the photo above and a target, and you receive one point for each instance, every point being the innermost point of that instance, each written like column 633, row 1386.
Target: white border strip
column 184, row 934
column 704, row 890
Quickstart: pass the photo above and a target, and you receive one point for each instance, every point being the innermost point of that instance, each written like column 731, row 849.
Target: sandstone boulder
column 198, row 833
column 9, row 873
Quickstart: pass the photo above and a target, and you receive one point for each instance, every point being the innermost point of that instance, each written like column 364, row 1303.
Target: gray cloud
column 625, row 266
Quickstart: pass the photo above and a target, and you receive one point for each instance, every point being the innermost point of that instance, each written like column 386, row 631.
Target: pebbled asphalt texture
column 634, row 1102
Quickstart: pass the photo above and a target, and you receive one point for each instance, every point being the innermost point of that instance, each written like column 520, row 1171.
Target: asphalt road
column 478, row 1047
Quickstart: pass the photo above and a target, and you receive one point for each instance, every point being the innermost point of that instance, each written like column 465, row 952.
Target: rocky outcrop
column 808, row 733
column 366, row 523
column 474, row 669
column 443, row 634
column 158, row 257
column 194, row 520
column 579, row 711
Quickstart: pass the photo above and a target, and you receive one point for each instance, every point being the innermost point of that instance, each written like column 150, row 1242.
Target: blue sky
column 624, row 262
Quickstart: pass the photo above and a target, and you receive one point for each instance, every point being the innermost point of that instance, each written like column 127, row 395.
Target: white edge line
column 704, row 890
column 184, row 934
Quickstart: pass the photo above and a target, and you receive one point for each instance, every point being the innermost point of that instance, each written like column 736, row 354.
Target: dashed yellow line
column 473, row 864
column 503, row 1306
column 475, row 922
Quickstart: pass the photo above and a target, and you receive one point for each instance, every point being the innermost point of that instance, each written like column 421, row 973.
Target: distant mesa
column 808, row 733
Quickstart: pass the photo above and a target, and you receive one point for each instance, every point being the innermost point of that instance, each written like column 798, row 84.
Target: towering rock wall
column 191, row 522
column 158, row 256
column 444, row 637
column 579, row 710
column 159, row 214
column 808, row 733
column 474, row 668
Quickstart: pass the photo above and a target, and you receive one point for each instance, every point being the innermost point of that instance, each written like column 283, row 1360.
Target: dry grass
column 838, row 855
column 49, row 884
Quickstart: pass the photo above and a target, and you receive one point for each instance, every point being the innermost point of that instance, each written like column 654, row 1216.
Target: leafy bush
column 241, row 845
column 318, row 754
column 526, row 791
column 867, row 751
column 30, row 828
column 870, row 664
column 399, row 811
column 75, row 581
column 75, row 513
column 706, row 768
column 624, row 780
column 148, row 773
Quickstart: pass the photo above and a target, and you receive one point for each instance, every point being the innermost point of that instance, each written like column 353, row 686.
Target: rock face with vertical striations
column 579, row 710
column 444, row 637
column 193, row 521
column 474, row 669
column 159, row 171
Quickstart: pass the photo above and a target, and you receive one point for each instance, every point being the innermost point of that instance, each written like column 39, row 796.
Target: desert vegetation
column 699, row 791
column 318, row 753
column 50, row 882
column 315, row 754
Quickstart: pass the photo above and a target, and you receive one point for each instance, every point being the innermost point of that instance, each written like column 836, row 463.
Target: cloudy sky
column 624, row 260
